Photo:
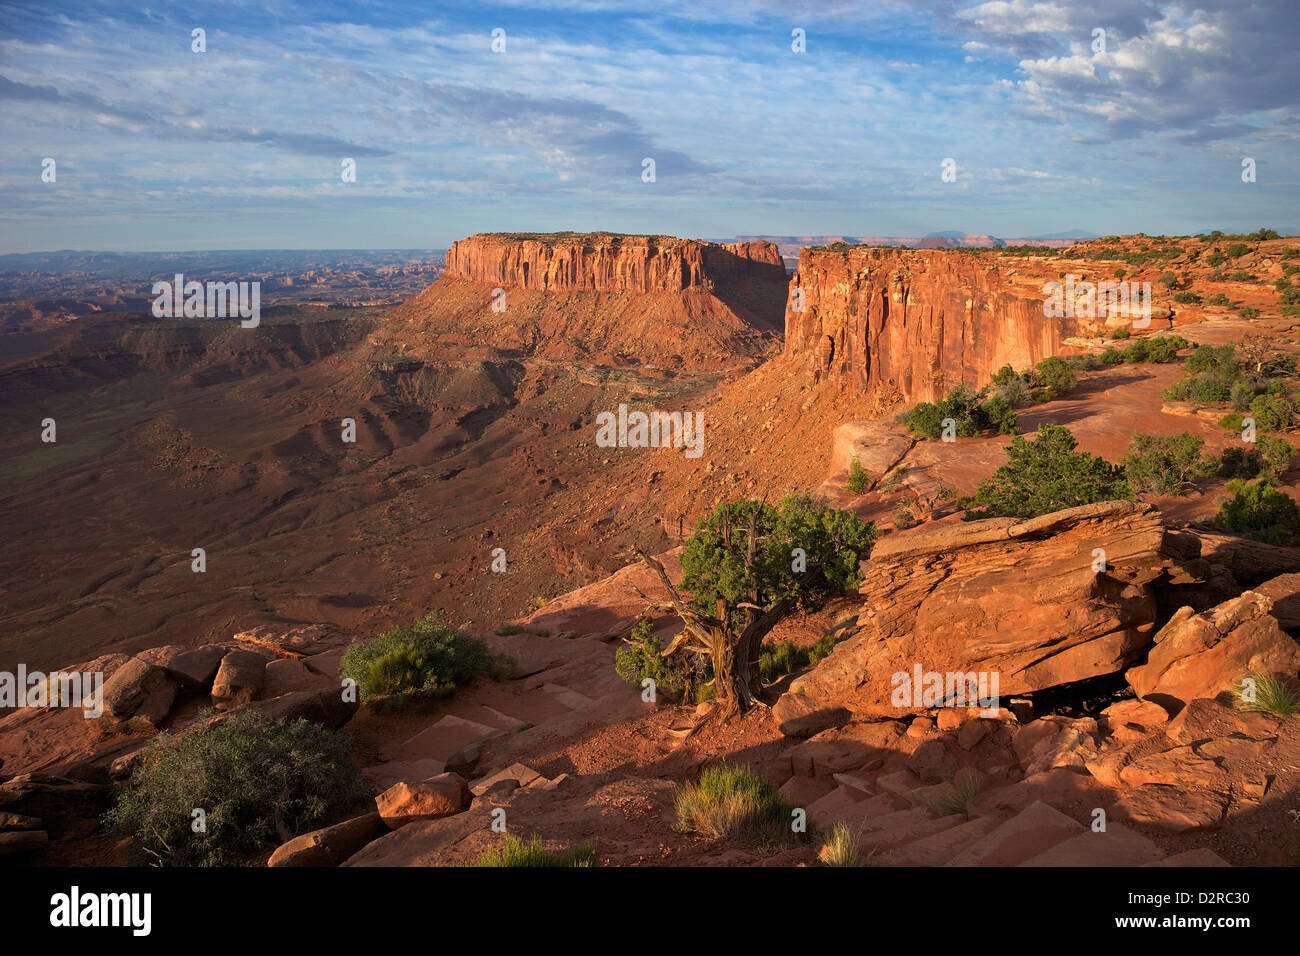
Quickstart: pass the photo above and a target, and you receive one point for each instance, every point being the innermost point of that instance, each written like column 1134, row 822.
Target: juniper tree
column 746, row 566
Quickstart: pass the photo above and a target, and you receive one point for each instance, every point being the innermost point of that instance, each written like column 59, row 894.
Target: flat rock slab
column 1171, row 808
column 939, row 848
column 1117, row 846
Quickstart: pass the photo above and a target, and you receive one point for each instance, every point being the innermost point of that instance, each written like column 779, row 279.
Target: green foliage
column 1121, row 334
column 641, row 658
column 532, row 852
column 1120, row 273
column 730, row 802
column 1238, row 462
column 1014, row 392
column 1275, row 456
column 1257, row 509
column 857, row 483
column 1001, row 415
column 778, row 659
column 825, row 644
column 1046, row 474
column 1233, row 422
column 1210, row 372
column 1111, row 356
column 1247, row 312
column 964, row 405
column 1164, row 348
column 1053, row 374
column 424, row 660
column 1219, row 299
column 258, row 781
column 1237, row 250
column 1187, row 298
column 1215, row 259
column 954, row 798
column 1272, row 413
column 1261, row 235
column 1165, row 464
column 1167, row 279
column 1240, row 275
column 714, row 561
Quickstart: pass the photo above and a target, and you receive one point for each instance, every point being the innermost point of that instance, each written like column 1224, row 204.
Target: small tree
column 857, row 483
column 1046, row 474
column 746, row 566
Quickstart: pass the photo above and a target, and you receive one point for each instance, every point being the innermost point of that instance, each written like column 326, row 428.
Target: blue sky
column 160, row 148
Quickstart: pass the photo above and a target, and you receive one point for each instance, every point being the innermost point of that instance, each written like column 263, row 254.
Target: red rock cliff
column 915, row 321
column 603, row 262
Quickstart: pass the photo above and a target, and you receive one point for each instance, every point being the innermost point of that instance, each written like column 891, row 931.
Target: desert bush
column 1238, row 462
column 1275, row 456
column 1053, row 374
column 964, row 405
column 1014, row 392
column 1219, row 299
column 533, row 853
column 1164, row 348
column 1215, row 259
column 1273, row 413
column 1167, row 279
column 1046, row 474
column 1233, row 422
column 641, row 658
column 1237, row 250
column 260, row 782
column 825, row 644
column 857, row 483
column 1258, row 510
column 1111, row 356
column 1001, row 415
column 730, row 802
column 424, row 660
column 1187, row 298
column 903, row 519
column 1165, row 464
column 1135, row 352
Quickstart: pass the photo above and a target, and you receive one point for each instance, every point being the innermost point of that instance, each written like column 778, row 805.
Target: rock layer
column 917, row 322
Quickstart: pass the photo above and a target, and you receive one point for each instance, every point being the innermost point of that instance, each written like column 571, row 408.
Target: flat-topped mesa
column 916, row 322
column 606, row 262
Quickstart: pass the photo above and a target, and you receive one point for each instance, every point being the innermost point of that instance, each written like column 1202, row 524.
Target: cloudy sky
column 157, row 147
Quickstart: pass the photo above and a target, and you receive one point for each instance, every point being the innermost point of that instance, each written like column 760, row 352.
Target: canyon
column 478, row 428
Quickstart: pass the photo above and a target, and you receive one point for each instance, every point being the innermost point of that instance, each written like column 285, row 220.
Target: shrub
column 825, row 644
column 425, row 660
column 260, row 782
column 1015, row 393
column 1167, row 279
column 1054, row 375
column 1237, row 250
column 857, row 483
column 1233, row 422
column 1272, row 413
column 1239, row 463
column 1215, row 259
column 731, row 802
column 1240, row 275
column 1120, row 273
column 925, row 420
column 964, row 405
column 1257, row 509
column 1136, row 352
column 1005, row 376
column 641, row 657
column 1121, row 334
column 1111, row 356
column 1001, row 415
column 1221, row 360
column 1046, row 474
column 1275, row 456
column 1165, row 464
column 1187, row 298
column 1164, row 348
column 1219, row 299
column 533, row 852
column 1240, row 395
column 1271, row 694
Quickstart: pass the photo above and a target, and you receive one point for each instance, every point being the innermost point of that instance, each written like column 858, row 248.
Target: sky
column 1106, row 116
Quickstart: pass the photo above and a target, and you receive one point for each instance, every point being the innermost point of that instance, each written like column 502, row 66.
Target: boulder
column 239, row 679
column 138, row 691
column 191, row 667
column 1016, row 603
column 797, row 716
column 1171, row 808
column 330, row 846
column 1205, row 655
column 438, row 796
column 324, row 707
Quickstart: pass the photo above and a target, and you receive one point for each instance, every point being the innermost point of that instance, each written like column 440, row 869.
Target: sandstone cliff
column 916, row 322
column 605, row 299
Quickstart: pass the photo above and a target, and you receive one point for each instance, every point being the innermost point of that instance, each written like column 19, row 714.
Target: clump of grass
column 841, row 848
column 1272, row 695
column 532, row 852
column 509, row 630
column 955, row 797
column 731, row 802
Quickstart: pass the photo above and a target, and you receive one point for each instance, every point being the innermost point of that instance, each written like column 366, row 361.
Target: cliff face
column 601, row 262
column 600, row 299
column 916, row 322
